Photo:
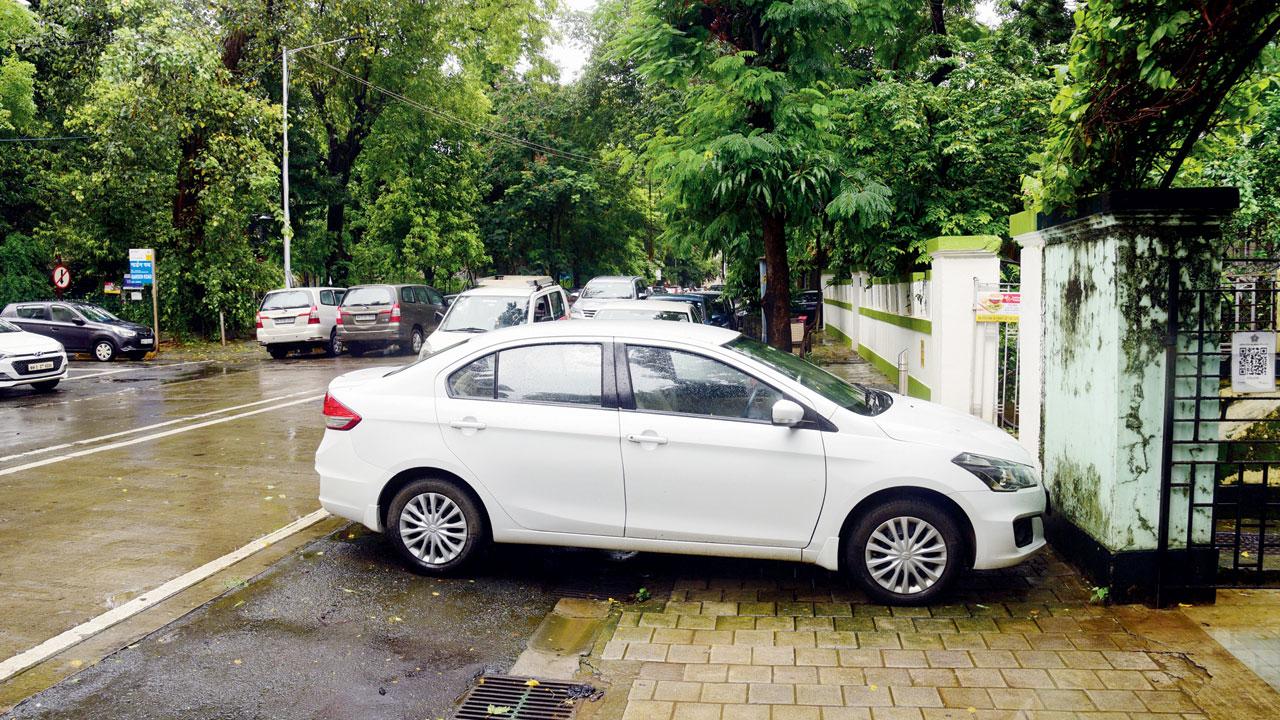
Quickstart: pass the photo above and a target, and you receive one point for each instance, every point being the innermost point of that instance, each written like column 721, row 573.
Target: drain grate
column 521, row 698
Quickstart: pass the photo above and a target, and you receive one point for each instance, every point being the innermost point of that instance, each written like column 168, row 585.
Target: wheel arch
column 932, row 497
column 404, row 477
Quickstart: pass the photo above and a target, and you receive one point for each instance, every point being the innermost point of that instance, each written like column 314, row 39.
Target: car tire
column 459, row 527
column 104, row 350
column 277, row 353
column 356, row 349
column 45, row 386
column 934, row 544
column 333, row 348
column 416, row 339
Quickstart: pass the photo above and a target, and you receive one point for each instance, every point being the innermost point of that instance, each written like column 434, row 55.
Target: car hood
column 920, row 421
column 22, row 343
column 126, row 325
column 596, row 303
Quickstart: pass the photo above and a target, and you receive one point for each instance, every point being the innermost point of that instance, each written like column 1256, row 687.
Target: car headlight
column 576, row 312
column 999, row 475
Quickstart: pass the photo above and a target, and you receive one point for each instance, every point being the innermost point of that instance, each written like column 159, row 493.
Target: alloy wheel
column 906, row 555
column 433, row 528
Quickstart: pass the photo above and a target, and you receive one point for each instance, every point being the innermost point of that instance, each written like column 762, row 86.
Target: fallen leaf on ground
column 532, row 683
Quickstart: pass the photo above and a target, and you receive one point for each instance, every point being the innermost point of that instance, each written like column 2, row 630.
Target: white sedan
column 672, row 437
column 30, row 359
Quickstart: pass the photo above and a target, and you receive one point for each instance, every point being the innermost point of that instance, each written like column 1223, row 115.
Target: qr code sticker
column 1253, row 361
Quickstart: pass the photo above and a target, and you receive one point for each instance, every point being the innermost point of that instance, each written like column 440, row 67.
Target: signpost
column 142, row 271
column 61, row 278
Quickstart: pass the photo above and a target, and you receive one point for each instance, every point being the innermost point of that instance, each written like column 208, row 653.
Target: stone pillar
column 961, row 350
column 1106, row 278
column 1022, row 227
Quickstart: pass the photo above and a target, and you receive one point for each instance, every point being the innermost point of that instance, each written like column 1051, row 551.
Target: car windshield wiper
column 466, row 329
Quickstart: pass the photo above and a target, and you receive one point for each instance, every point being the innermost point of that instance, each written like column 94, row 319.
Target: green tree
column 755, row 151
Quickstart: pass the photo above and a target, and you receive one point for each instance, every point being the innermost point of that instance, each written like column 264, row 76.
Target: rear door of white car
column 703, row 460
column 537, row 427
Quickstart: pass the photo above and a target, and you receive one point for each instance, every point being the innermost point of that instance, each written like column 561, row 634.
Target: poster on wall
column 993, row 305
column 1253, row 364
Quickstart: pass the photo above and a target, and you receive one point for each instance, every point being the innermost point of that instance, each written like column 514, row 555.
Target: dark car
column 692, row 298
column 83, row 328
column 720, row 310
column 378, row 316
column 807, row 304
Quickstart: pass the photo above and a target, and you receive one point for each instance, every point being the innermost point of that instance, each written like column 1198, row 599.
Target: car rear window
column 368, row 296
column 284, row 299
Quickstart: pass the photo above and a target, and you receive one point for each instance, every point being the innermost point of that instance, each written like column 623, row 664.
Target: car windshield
column 608, row 289
column 640, row 314
column 7, row 327
column 368, row 296
column 286, row 299
column 858, row 398
column 482, row 313
column 96, row 314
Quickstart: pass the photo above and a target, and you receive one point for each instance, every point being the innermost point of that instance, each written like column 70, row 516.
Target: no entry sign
column 61, row 277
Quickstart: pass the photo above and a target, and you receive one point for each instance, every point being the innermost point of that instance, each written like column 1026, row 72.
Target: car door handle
column 647, row 438
column 467, row 425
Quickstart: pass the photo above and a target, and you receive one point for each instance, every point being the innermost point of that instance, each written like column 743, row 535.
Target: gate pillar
column 1105, row 284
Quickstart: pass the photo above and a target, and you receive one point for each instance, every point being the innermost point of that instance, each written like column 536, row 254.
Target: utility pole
column 284, row 165
column 284, row 156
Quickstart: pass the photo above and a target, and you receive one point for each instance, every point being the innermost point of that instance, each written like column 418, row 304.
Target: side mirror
column 643, row 296
column 78, row 321
column 787, row 413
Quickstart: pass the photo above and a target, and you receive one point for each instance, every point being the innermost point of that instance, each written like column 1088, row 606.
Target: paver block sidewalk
column 778, row 641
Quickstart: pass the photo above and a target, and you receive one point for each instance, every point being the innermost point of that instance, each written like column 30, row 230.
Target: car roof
column 654, row 305
column 613, row 277
column 678, row 297
column 505, row 290
column 694, row 333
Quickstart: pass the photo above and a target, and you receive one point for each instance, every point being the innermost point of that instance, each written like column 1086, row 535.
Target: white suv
column 498, row 302
column 300, row 319
column 672, row 437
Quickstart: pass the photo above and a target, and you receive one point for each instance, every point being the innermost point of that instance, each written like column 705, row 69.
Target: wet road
column 133, row 473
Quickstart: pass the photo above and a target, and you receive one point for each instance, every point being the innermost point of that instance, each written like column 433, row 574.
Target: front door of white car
column 704, row 462
column 530, row 424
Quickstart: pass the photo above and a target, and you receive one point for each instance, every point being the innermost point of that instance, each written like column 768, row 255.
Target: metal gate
column 1220, row 481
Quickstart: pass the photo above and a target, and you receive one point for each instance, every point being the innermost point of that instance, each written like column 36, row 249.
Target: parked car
column 720, row 310
column 30, row 359
column 601, row 291
column 498, row 305
column 697, row 301
column 378, row 316
column 728, row 447
column 807, row 304
column 300, row 319
column 648, row 310
column 81, row 327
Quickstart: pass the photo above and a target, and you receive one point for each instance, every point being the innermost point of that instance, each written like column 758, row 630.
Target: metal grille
column 522, row 698
column 24, row 366
column 1007, row 371
column 1220, row 483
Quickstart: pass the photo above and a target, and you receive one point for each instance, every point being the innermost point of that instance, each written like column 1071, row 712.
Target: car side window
column 672, row 381
column 557, row 304
column 432, row 296
column 33, row 312
column 542, row 310
column 639, row 291
column 326, row 297
column 559, row 373
column 62, row 313
column 407, row 295
column 475, row 380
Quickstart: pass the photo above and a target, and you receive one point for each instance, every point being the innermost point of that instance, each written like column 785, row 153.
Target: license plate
column 363, row 319
column 284, row 321
column 147, row 341
column 40, row 366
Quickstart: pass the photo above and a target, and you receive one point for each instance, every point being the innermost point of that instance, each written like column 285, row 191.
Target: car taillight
column 314, row 317
column 338, row 416
column 395, row 313
column 258, row 324
column 339, row 320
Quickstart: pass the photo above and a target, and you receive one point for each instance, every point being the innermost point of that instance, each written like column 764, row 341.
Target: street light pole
column 284, row 166
column 284, row 156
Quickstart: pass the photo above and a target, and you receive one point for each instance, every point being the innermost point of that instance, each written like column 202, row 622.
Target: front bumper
column 14, row 370
column 1000, row 522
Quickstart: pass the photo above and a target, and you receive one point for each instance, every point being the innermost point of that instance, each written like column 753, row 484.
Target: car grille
column 588, row 313
column 23, row 367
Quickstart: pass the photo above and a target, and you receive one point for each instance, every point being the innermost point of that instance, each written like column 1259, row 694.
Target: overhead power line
column 449, row 117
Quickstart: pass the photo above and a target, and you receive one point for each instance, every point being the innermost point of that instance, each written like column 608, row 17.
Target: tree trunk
column 777, row 273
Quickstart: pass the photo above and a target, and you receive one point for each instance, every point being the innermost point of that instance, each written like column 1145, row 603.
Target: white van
column 499, row 302
column 300, row 319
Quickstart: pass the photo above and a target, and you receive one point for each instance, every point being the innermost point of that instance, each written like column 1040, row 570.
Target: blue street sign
column 131, row 282
column 142, row 271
